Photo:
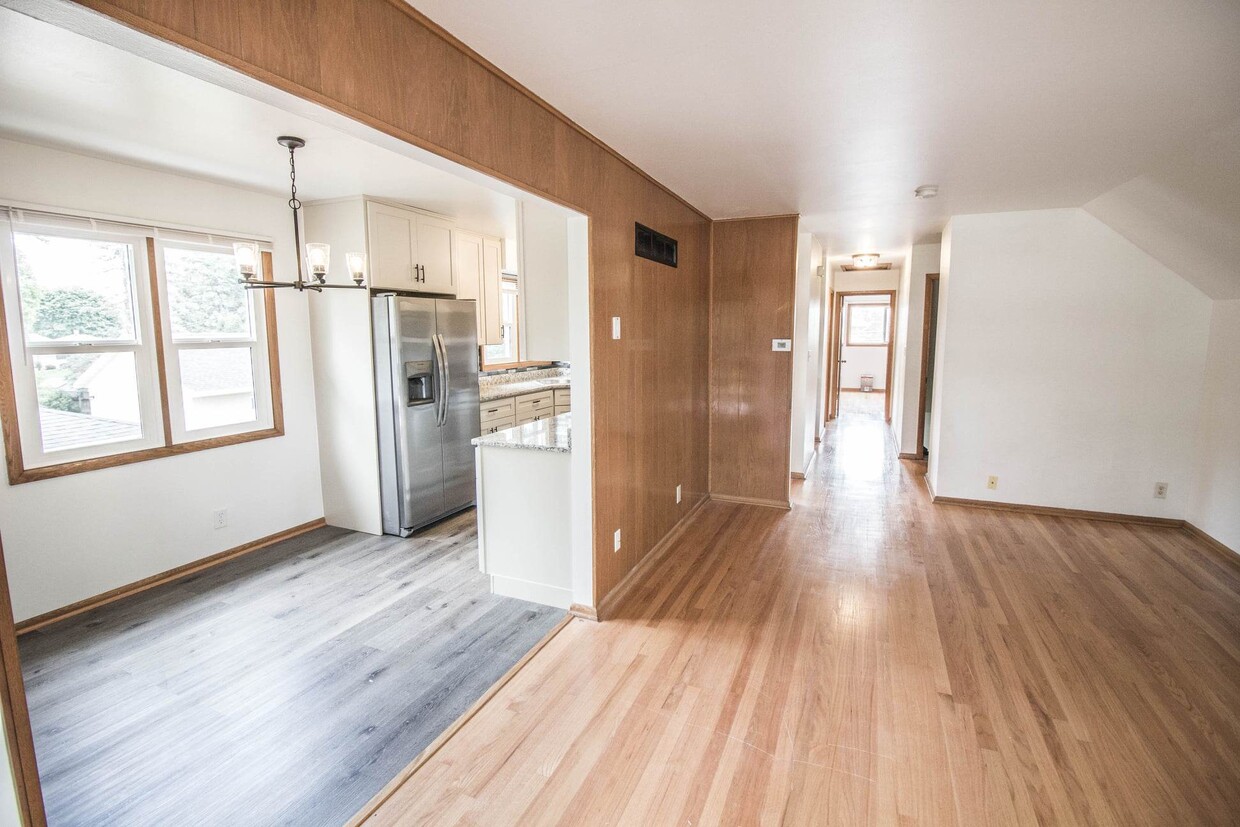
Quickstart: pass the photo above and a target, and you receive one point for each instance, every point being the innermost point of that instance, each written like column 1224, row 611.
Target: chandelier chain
column 292, row 175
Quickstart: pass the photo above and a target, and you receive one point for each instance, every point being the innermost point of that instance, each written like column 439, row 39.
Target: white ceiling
column 66, row 90
column 837, row 109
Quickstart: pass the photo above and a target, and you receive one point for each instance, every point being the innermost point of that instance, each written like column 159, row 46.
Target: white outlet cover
column 781, row 345
column 678, row 493
column 617, row 541
column 615, row 327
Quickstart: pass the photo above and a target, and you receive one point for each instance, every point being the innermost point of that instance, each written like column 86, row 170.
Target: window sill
column 18, row 474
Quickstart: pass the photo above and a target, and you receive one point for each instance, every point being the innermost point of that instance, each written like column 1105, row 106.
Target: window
column 124, row 345
column 509, row 350
column 869, row 325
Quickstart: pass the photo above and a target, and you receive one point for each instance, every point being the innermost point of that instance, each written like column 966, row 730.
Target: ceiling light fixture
column 318, row 256
column 865, row 261
column 926, row 191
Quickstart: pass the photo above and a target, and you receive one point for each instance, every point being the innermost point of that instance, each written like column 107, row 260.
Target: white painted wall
column 1070, row 366
column 923, row 259
column 581, row 473
column 10, row 812
column 850, row 281
column 824, row 345
column 859, row 360
column 1216, row 499
column 899, row 350
column 543, row 234
column 73, row 537
column 807, row 352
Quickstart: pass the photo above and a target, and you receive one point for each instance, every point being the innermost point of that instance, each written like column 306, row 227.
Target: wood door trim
column 925, row 366
column 427, row 754
column 891, row 340
column 16, row 713
column 169, row 576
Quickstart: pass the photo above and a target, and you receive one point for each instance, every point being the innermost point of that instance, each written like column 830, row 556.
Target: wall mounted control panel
column 781, row 344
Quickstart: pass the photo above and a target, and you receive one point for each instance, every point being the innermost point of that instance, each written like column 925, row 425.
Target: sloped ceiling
column 1185, row 212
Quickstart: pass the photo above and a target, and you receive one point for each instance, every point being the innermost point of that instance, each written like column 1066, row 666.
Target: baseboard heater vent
column 655, row 246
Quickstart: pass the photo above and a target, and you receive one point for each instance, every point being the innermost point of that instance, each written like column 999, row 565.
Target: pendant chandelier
column 317, row 256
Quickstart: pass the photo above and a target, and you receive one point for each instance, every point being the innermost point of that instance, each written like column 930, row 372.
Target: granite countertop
column 488, row 393
column 554, row 434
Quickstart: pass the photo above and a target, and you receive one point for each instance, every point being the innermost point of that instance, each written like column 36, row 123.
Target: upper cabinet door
column 467, row 259
column 491, row 329
column 434, row 256
column 393, row 247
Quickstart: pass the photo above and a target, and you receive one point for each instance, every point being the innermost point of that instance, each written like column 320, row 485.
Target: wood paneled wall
column 753, row 292
column 383, row 63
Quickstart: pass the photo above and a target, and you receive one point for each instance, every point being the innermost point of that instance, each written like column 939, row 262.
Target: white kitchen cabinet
column 409, row 250
column 477, row 262
column 492, row 309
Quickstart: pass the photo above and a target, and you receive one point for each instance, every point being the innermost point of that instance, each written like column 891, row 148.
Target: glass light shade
column 317, row 256
column 357, row 266
column 865, row 260
column 246, row 255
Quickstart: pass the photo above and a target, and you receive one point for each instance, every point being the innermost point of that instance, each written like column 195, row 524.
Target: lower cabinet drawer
column 563, row 397
column 559, row 409
column 495, row 410
column 535, row 402
column 494, row 425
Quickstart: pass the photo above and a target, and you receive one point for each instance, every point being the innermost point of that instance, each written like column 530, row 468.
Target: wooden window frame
column 17, row 471
column 848, row 342
column 516, row 327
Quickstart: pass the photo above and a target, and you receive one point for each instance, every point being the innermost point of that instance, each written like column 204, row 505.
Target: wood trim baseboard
column 427, row 754
column 121, row 592
column 1229, row 554
column 914, row 457
column 1050, row 511
column 584, row 612
column 798, row 475
column 728, row 498
column 621, row 590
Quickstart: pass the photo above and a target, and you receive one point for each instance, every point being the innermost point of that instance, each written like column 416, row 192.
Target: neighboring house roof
column 64, row 429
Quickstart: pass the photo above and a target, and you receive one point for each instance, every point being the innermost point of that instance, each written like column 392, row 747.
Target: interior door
column 393, row 247
column 420, row 472
column 458, row 335
column 434, row 254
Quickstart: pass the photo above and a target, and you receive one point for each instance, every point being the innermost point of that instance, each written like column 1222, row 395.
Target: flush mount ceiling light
column 926, row 191
column 865, row 261
column 318, row 256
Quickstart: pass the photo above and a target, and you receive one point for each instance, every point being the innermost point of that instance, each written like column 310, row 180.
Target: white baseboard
column 534, row 592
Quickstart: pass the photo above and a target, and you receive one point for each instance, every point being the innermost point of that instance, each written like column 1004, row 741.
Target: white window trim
column 23, row 353
column 256, row 343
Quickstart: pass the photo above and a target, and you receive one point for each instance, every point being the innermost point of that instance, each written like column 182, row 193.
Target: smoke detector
column 926, row 191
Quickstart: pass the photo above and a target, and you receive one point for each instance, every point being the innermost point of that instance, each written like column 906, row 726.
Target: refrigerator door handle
column 447, row 377
column 441, row 399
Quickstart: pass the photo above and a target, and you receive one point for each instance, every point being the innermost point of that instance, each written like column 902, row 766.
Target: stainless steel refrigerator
column 426, row 375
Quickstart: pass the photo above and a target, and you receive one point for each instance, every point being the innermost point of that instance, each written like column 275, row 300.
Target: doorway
column 929, row 326
column 862, row 336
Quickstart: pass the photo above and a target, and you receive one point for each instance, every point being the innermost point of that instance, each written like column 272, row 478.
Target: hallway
column 871, row 658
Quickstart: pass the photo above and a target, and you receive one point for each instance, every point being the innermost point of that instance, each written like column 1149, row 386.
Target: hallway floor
column 871, row 658
column 872, row 405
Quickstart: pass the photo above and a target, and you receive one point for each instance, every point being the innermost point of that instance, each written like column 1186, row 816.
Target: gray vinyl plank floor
column 284, row 687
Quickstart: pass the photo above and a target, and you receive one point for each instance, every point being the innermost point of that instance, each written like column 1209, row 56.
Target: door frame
column 837, row 347
column 17, row 730
column 931, row 279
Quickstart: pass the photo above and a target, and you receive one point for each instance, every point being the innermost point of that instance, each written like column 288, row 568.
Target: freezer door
column 458, row 331
column 417, row 394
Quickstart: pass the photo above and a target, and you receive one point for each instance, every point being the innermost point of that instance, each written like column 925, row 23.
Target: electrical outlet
column 615, row 327
column 678, row 493
column 221, row 518
column 1160, row 490
column 616, row 541
column 992, row 483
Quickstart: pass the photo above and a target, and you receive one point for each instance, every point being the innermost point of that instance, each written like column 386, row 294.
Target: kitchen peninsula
column 524, row 515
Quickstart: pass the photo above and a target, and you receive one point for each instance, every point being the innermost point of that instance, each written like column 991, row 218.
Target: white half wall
column 73, row 537
column 1216, row 501
column 1070, row 365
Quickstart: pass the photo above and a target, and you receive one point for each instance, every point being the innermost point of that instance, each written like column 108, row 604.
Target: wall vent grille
column 655, row 246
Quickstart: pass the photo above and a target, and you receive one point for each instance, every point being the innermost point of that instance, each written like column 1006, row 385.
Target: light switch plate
column 617, row 541
column 678, row 493
column 615, row 327
column 781, row 344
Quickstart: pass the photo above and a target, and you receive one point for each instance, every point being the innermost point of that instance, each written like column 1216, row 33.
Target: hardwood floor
column 872, row 405
column 285, row 687
column 871, row 658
